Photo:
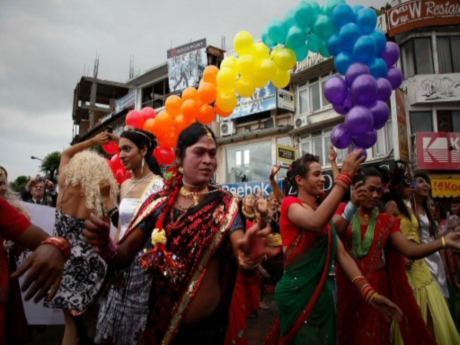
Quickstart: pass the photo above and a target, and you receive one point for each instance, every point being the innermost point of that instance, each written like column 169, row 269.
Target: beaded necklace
column 360, row 247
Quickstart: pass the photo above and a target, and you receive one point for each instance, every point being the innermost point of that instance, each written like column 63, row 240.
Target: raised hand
column 274, row 171
column 332, row 154
column 353, row 161
column 453, row 239
column 101, row 138
column 358, row 193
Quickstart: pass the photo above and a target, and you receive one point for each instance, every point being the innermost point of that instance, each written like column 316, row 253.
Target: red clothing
column 12, row 225
column 289, row 231
column 360, row 323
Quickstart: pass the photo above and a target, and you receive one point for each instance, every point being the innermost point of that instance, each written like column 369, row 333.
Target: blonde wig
column 90, row 171
column 11, row 196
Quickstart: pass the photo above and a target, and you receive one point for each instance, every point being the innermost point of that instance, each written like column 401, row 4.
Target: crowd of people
column 168, row 257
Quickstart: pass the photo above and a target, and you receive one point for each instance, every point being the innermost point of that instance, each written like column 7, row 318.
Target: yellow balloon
column 260, row 81
column 246, row 65
column 230, row 62
column 281, row 78
column 243, row 43
column 245, row 86
column 226, row 101
column 266, row 69
column 226, row 79
column 284, row 58
column 261, row 51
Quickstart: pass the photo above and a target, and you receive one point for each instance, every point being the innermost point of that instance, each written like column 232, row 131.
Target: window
column 311, row 96
column 448, row 54
column 250, row 162
column 417, row 57
column 384, row 142
column 448, row 121
column 421, row 121
column 318, row 144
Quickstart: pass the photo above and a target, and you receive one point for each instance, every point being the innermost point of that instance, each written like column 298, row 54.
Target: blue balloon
column 342, row 14
column 342, row 62
column 314, row 43
column 357, row 8
column 301, row 52
column 304, row 15
column 267, row 40
column 378, row 68
column 334, row 45
column 349, row 34
column 323, row 50
column 330, row 5
column 289, row 21
column 295, row 37
column 380, row 42
column 367, row 20
column 323, row 27
column 364, row 49
column 277, row 31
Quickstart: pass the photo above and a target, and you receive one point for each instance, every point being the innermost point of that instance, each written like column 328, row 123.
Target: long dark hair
column 432, row 225
column 399, row 180
column 143, row 139
column 299, row 167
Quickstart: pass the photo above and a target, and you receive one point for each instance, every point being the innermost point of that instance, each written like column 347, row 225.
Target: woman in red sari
column 374, row 240
column 304, row 293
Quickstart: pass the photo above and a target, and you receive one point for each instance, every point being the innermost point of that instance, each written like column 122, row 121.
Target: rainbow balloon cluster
column 363, row 57
column 366, row 62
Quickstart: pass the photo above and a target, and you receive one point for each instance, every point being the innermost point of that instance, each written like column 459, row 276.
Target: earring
column 181, row 170
column 142, row 166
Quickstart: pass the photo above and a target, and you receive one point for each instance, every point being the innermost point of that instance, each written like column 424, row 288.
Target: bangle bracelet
column 443, row 242
column 349, row 211
column 60, row 243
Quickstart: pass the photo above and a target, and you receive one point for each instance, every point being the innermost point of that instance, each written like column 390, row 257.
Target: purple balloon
column 366, row 140
column 391, row 53
column 395, row 77
column 335, row 90
column 355, row 70
column 383, row 89
column 340, row 137
column 359, row 121
column 364, row 90
column 344, row 108
column 380, row 113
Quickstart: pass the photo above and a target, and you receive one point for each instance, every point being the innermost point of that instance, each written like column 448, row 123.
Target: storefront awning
column 445, row 186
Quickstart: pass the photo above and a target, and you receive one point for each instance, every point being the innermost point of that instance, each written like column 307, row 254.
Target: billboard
column 186, row 64
column 263, row 99
column 438, row 151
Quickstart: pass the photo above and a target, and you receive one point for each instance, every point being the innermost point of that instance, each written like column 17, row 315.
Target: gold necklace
column 247, row 214
column 193, row 195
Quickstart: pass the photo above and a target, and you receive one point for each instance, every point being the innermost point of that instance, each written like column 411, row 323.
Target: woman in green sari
column 304, row 294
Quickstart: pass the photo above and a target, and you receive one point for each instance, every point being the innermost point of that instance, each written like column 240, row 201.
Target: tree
column 19, row 185
column 50, row 165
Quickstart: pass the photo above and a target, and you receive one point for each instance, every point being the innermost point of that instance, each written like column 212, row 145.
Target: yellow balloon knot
column 158, row 236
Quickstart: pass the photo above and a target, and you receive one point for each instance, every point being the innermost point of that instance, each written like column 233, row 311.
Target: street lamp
column 33, row 157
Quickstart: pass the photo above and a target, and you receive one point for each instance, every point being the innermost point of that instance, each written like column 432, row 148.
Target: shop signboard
column 186, row 64
column 285, row 154
column 438, row 151
column 443, row 186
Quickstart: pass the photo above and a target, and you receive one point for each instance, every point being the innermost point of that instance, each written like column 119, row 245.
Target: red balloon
column 111, row 148
column 115, row 163
column 164, row 156
column 148, row 113
column 135, row 119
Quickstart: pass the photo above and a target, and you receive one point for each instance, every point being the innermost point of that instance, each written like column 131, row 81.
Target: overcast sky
column 47, row 45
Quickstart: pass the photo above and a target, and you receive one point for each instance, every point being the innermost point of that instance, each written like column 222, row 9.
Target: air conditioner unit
column 226, row 128
column 300, row 121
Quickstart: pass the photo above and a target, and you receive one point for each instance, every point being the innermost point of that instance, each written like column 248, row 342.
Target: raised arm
column 358, row 194
column 276, row 189
column 314, row 220
column 332, row 156
column 100, row 139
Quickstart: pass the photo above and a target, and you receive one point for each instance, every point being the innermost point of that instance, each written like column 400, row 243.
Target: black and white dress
column 84, row 272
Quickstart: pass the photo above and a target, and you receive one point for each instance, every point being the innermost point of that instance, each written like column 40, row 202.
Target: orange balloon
column 207, row 92
column 206, row 114
column 190, row 109
column 221, row 112
column 149, row 125
column 169, row 140
column 210, row 74
column 190, row 93
column 180, row 123
column 163, row 123
column 173, row 105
